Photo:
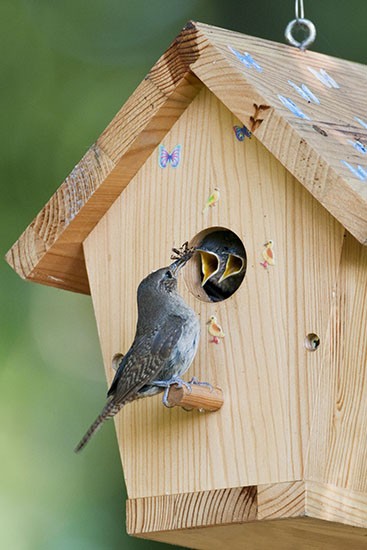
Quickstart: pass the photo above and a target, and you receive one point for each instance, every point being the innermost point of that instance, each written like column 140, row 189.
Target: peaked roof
column 308, row 109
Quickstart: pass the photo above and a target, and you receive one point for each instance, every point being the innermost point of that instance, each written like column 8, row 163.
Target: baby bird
column 223, row 264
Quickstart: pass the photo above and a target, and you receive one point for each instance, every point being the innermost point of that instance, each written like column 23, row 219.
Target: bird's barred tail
column 110, row 410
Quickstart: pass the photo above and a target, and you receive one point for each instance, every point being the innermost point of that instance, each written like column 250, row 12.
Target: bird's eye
column 168, row 275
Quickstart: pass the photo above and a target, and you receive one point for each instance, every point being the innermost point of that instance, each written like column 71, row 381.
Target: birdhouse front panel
column 268, row 374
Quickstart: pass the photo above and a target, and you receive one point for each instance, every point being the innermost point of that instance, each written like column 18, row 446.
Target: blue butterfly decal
column 287, row 102
column 358, row 145
column 305, row 92
column 246, row 59
column 360, row 172
column 324, row 77
column 242, row 132
column 166, row 158
column 361, row 122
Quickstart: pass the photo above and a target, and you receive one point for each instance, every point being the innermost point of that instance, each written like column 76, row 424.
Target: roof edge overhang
column 50, row 251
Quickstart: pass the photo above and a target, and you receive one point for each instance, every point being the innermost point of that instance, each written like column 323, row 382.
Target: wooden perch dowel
column 200, row 397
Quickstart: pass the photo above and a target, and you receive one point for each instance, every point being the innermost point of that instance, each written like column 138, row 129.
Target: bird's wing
column 145, row 359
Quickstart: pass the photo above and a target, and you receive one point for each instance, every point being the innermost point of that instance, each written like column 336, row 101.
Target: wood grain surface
column 220, row 507
column 337, row 451
column 280, row 534
column 326, row 501
column 261, row 433
column 313, row 149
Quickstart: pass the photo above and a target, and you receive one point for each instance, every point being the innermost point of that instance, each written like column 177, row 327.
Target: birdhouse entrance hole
column 218, row 266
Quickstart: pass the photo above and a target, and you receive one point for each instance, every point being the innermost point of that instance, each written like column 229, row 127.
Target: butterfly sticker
column 166, row 158
column 246, row 59
column 242, row 132
column 361, row 122
column 358, row 145
column 360, row 172
column 293, row 107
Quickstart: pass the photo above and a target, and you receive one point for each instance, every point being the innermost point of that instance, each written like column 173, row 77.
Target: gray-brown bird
column 165, row 344
column 223, row 264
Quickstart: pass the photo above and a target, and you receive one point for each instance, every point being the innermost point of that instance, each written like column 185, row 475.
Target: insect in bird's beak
column 181, row 256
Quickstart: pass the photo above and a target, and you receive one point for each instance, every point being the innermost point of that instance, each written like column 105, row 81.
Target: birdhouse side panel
column 261, row 433
column 338, row 445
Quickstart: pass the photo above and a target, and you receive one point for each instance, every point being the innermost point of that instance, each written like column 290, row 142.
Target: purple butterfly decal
column 166, row 158
column 242, row 132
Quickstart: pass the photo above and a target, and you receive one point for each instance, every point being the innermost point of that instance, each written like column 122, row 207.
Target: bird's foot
column 167, row 385
column 194, row 380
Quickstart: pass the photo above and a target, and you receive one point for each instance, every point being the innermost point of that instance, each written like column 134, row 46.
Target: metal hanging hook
column 299, row 4
column 300, row 22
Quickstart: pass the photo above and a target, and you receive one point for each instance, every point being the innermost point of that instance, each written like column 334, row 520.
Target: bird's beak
column 234, row 265
column 210, row 264
column 176, row 266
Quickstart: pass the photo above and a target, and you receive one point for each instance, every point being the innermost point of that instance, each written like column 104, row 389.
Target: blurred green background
column 67, row 67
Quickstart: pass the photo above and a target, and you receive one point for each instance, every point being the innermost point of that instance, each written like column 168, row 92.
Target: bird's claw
column 167, row 385
column 165, row 401
column 195, row 380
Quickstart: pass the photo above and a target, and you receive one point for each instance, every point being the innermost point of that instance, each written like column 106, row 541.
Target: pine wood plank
column 217, row 507
column 338, row 446
column 326, row 501
column 187, row 510
column 261, row 433
column 281, row 500
column 284, row 534
column 314, row 157
column 50, row 249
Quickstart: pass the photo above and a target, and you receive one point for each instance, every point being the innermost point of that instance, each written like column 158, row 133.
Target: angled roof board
column 308, row 109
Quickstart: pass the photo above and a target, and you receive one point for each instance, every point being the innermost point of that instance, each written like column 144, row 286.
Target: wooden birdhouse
column 282, row 135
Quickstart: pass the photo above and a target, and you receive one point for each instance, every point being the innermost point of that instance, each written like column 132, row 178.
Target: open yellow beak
column 210, row 264
column 234, row 265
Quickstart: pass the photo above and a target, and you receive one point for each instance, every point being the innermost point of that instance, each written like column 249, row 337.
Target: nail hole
column 218, row 267
column 312, row 342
